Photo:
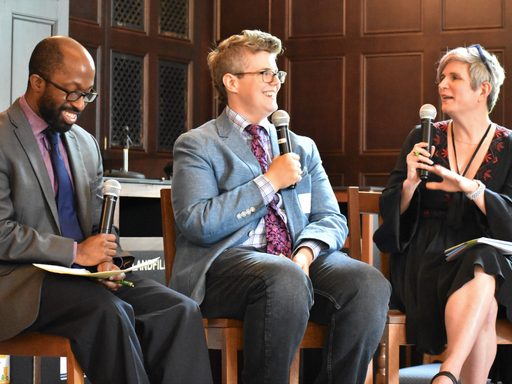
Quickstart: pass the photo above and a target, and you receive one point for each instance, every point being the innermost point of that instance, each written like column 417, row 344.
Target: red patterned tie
column 278, row 237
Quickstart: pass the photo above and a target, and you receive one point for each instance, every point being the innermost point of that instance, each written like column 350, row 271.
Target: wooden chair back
column 39, row 344
column 168, row 231
column 363, row 209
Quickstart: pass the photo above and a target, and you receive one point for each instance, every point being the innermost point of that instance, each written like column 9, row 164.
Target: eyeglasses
column 89, row 97
column 266, row 75
column 482, row 56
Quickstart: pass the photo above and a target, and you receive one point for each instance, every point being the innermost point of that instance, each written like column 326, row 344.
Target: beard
column 51, row 113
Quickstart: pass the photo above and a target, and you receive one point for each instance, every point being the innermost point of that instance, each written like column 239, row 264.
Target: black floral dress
column 422, row 279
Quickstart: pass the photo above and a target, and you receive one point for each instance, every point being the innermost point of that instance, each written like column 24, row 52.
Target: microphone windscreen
column 428, row 111
column 280, row 118
column 111, row 187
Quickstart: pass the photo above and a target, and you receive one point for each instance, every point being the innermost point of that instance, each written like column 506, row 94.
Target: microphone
column 111, row 190
column 427, row 114
column 281, row 119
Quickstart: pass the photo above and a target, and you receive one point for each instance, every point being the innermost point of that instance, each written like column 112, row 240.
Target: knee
column 168, row 303
column 366, row 302
column 483, row 282
column 371, row 287
column 287, row 283
column 114, row 312
column 367, row 296
column 189, row 307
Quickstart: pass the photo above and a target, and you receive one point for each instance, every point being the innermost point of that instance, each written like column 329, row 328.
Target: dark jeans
column 275, row 299
column 145, row 334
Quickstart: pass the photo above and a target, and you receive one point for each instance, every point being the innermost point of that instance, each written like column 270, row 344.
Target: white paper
column 504, row 246
column 84, row 272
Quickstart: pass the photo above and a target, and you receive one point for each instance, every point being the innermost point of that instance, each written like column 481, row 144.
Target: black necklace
column 474, row 153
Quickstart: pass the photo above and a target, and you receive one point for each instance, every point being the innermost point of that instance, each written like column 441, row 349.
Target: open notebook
column 504, row 246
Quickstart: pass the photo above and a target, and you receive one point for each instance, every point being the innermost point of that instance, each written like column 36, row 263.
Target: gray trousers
column 145, row 334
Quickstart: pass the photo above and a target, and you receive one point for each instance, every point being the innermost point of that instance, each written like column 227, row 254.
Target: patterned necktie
column 278, row 237
column 69, row 225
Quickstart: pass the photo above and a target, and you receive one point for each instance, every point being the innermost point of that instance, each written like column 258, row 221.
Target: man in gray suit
column 118, row 334
column 224, row 190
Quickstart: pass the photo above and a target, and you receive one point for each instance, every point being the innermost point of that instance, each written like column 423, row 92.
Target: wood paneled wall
column 359, row 70
column 91, row 23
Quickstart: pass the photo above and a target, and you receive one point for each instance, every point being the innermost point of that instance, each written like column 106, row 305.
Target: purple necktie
column 278, row 237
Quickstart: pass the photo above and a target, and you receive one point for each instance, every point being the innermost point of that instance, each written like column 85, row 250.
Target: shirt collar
column 37, row 124
column 241, row 122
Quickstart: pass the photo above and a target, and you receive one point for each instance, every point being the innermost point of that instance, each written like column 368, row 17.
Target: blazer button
column 251, row 233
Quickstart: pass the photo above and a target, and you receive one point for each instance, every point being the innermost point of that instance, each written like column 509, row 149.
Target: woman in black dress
column 468, row 194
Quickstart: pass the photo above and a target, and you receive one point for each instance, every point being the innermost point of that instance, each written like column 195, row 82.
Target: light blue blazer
column 217, row 204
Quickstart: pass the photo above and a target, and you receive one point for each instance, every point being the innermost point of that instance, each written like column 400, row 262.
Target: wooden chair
column 363, row 208
column 39, row 344
column 222, row 334
column 226, row 334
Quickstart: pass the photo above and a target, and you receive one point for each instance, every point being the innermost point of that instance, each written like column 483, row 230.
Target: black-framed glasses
column 89, row 97
column 482, row 56
column 266, row 75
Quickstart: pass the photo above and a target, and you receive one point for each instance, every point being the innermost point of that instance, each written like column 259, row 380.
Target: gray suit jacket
column 217, row 203
column 29, row 224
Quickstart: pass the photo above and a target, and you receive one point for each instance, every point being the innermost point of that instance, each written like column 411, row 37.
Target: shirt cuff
column 316, row 247
column 75, row 246
column 266, row 188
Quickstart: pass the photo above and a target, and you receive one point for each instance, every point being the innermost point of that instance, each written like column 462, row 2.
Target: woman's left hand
column 452, row 181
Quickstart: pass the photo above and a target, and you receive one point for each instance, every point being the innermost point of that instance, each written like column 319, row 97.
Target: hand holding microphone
column 427, row 114
column 111, row 190
column 100, row 248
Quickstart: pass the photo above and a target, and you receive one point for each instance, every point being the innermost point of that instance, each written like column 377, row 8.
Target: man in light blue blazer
column 220, row 199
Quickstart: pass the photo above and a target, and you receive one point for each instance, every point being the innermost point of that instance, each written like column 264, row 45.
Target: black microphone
column 281, row 119
column 111, row 189
column 427, row 114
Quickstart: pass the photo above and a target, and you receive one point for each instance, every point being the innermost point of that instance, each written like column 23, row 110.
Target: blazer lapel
column 234, row 140
column 27, row 140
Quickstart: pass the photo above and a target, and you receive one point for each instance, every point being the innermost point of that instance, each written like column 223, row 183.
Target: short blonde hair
column 485, row 68
column 228, row 56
